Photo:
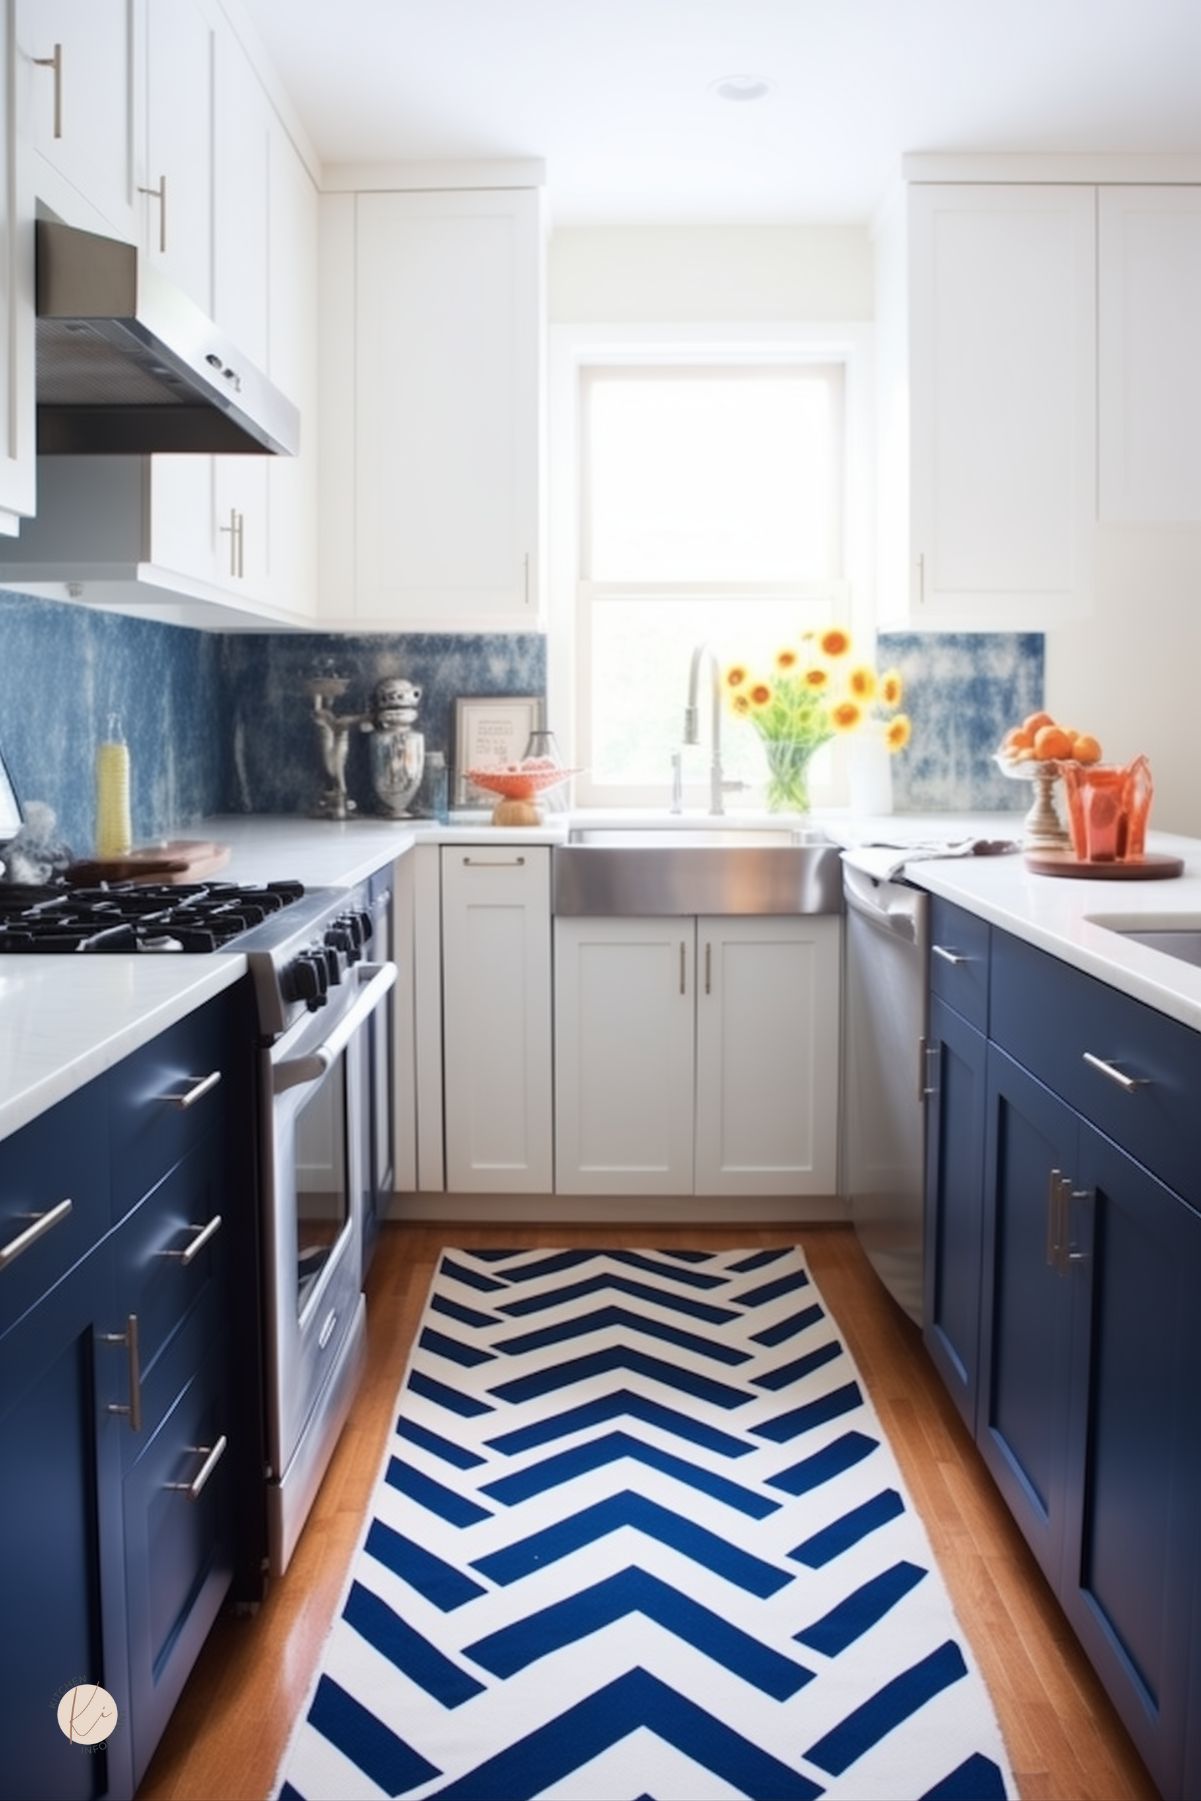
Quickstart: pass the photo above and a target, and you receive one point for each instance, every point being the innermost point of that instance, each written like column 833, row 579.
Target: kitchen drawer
column 61, row 1156
column 151, row 1128
column 171, row 1248
column 959, row 961
column 178, row 1557
column 1049, row 1017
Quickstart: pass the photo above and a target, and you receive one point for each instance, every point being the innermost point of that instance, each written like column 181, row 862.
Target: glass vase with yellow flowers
column 814, row 691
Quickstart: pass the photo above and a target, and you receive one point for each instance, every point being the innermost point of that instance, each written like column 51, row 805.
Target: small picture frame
column 491, row 729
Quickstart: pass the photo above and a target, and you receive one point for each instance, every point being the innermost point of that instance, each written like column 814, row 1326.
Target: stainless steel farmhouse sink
column 655, row 871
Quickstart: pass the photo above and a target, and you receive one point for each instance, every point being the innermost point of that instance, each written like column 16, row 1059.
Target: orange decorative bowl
column 519, row 784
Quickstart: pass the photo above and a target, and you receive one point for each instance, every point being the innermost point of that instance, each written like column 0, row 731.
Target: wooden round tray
column 1154, row 867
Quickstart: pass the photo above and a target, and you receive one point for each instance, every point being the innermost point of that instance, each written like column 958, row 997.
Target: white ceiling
column 614, row 93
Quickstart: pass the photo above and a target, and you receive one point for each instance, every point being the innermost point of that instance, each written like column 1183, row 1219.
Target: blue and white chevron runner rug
column 639, row 1535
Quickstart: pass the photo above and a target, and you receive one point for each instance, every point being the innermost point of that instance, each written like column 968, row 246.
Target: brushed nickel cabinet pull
column 129, row 1338
column 948, row 956
column 1126, row 1083
column 1073, row 1194
column 682, row 954
column 927, row 1058
column 203, row 1235
column 212, row 1455
column 234, row 532
column 40, row 1224
column 201, row 1085
column 708, row 969
column 160, row 194
column 493, row 862
column 55, row 62
column 1053, row 1188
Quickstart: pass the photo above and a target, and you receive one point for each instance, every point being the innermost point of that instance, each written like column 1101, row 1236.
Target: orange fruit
column 1050, row 742
column 1085, row 748
column 1017, row 739
column 1034, row 722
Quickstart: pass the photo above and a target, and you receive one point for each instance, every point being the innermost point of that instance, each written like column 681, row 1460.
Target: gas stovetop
column 138, row 916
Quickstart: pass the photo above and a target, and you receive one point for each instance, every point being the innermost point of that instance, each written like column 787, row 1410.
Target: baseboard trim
column 624, row 1209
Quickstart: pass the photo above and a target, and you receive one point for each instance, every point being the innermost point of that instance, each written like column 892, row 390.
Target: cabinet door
column 496, row 987
column 17, row 454
column 954, row 1202
column 1022, row 1410
column 447, row 405
column 1002, row 293
column 1150, row 354
column 767, row 1056
column 61, row 1562
column 82, row 113
column 177, row 177
column 241, row 284
column 294, row 503
column 624, row 1043
column 1130, row 1555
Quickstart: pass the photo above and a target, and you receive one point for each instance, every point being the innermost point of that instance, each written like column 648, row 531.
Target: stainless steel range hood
column 128, row 364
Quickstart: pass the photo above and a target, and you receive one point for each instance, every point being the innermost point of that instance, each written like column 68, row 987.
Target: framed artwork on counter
column 490, row 731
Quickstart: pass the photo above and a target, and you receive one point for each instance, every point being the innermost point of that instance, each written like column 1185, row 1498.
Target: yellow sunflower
column 846, row 716
column 740, row 703
column 862, row 682
column 898, row 732
column 892, row 688
column 736, row 676
column 816, row 678
column 761, row 695
column 835, row 642
column 786, row 660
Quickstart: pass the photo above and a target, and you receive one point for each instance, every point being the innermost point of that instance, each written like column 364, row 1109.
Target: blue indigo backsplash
column 65, row 669
column 275, row 762
column 963, row 690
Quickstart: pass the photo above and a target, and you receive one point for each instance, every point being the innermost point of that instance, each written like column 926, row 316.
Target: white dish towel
column 884, row 862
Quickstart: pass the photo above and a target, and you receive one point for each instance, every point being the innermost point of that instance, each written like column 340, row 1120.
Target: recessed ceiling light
column 740, row 87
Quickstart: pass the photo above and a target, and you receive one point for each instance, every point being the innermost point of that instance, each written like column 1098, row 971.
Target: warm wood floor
column 1064, row 1740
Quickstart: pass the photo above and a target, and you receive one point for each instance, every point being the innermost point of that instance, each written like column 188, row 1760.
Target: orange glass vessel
column 1108, row 809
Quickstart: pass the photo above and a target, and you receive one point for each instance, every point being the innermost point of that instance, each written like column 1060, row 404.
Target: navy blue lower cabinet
column 1024, row 1404
column 62, row 1573
column 956, row 1067
column 1134, row 1453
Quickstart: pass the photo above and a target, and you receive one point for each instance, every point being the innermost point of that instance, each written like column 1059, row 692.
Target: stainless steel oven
column 319, row 1158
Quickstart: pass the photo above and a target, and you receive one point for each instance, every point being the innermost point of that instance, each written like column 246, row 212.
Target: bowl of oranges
column 1040, row 745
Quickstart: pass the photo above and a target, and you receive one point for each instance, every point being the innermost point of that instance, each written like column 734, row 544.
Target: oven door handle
column 377, row 979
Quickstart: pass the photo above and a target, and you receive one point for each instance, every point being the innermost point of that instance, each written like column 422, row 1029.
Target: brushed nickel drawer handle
column 159, row 194
column 193, row 1250
column 1126, row 1083
column 327, row 1328
column 947, row 956
column 40, row 1224
column 201, row 1085
column 927, row 1062
column 683, row 986
column 212, row 1455
column 129, row 1338
column 708, row 969
column 493, row 863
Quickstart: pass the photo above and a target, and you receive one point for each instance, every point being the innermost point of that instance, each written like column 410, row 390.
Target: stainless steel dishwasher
column 887, row 953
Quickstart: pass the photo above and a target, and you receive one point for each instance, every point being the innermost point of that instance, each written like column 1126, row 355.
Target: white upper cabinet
column 79, row 79
column 431, row 341
column 17, row 454
column 176, row 184
column 292, row 493
column 1150, row 354
column 767, row 1029
column 988, row 407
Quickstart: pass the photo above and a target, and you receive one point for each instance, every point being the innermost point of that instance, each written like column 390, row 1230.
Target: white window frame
column 573, row 349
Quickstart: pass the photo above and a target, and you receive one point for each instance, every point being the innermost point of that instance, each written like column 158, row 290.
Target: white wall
column 685, row 274
column 1132, row 672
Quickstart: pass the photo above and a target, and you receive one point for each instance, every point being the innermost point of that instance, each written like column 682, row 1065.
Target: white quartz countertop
column 64, row 1020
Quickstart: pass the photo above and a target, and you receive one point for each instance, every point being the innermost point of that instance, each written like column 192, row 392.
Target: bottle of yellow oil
column 114, row 832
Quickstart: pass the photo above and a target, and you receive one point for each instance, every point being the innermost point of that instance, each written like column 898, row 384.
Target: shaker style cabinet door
column 625, row 1016
column 177, row 174
column 767, row 1056
column 1002, row 403
column 18, row 464
column 1023, row 1406
column 1149, row 362
column 447, row 321
column 956, row 1070
column 79, row 79
column 496, row 964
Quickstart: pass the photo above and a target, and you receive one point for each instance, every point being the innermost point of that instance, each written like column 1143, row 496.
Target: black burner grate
column 136, row 916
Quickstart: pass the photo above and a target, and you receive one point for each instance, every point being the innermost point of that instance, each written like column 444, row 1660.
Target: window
column 710, row 510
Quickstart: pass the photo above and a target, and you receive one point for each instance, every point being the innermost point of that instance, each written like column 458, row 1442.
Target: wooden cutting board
column 177, row 861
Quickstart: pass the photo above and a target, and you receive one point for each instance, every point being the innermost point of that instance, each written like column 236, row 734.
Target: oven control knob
column 342, row 940
column 334, row 960
column 308, row 981
column 366, row 929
